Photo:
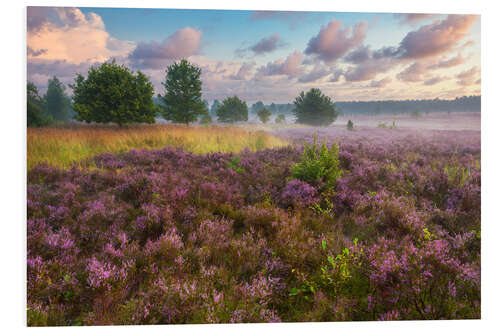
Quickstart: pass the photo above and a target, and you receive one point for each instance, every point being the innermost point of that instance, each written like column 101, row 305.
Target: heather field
column 179, row 234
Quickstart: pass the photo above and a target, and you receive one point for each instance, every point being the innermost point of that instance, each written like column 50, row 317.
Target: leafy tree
column 182, row 100
column 350, row 125
column 256, row 107
column 314, row 108
column 36, row 115
column 280, row 119
column 264, row 115
column 232, row 109
column 113, row 94
column 57, row 103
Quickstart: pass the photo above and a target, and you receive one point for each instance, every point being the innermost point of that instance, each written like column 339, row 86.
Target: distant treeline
column 459, row 104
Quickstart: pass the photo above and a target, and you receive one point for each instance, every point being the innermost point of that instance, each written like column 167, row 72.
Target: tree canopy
column 57, row 103
column 315, row 108
column 113, row 94
column 264, row 115
column 182, row 100
column 232, row 110
column 36, row 115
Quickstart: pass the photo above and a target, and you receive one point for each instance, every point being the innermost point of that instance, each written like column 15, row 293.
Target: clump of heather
column 167, row 236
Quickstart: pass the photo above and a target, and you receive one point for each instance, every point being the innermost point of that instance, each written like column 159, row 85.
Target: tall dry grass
column 64, row 146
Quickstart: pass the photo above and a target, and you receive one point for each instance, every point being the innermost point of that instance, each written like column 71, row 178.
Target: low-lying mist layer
column 168, row 236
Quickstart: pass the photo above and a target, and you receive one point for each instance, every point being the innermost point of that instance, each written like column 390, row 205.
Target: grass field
column 65, row 146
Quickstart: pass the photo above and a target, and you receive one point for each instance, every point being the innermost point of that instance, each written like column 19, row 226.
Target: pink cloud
column 243, row 72
column 318, row 72
column 290, row 66
column 413, row 18
column 452, row 62
column 181, row 44
column 468, row 77
column 70, row 35
column 436, row 38
column 381, row 83
column 413, row 73
column 332, row 42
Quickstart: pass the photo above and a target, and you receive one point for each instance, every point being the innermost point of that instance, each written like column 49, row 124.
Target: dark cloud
column 35, row 53
column 267, row 44
column 36, row 18
column 332, row 42
column 359, row 55
column 318, row 72
column 435, row 80
column 181, row 44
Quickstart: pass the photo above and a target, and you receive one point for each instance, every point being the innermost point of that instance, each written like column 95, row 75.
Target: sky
column 268, row 56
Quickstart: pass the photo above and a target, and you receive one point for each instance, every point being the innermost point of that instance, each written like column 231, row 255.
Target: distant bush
column 350, row 125
column 319, row 165
column 264, row 115
column 280, row 119
column 415, row 114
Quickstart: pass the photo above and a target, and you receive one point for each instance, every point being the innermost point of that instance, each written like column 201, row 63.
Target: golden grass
column 62, row 147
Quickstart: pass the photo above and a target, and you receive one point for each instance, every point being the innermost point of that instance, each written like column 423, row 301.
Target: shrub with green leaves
column 319, row 165
column 350, row 125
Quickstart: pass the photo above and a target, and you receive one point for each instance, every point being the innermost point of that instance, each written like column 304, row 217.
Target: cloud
column 181, row 44
column 435, row 80
column 413, row 73
column 318, row 72
column 381, row 83
column 243, row 72
column 468, row 77
column 332, row 42
column 436, row 38
column 290, row 66
column 413, row 18
column 452, row 62
column 35, row 53
column 68, row 34
column 292, row 18
column 267, row 44
column 36, row 18
column 362, row 54
column 369, row 69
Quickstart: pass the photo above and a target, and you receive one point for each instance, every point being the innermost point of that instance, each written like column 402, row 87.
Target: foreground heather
column 166, row 236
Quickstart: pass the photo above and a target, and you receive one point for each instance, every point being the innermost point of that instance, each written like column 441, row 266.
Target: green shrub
column 319, row 165
column 350, row 125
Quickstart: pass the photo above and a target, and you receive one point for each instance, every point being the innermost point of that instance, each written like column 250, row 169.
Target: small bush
column 350, row 125
column 280, row 119
column 319, row 166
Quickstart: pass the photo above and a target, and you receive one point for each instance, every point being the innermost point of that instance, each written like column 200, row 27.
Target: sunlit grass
column 63, row 147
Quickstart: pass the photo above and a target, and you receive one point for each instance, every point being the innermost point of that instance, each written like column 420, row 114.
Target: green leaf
column 323, row 244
